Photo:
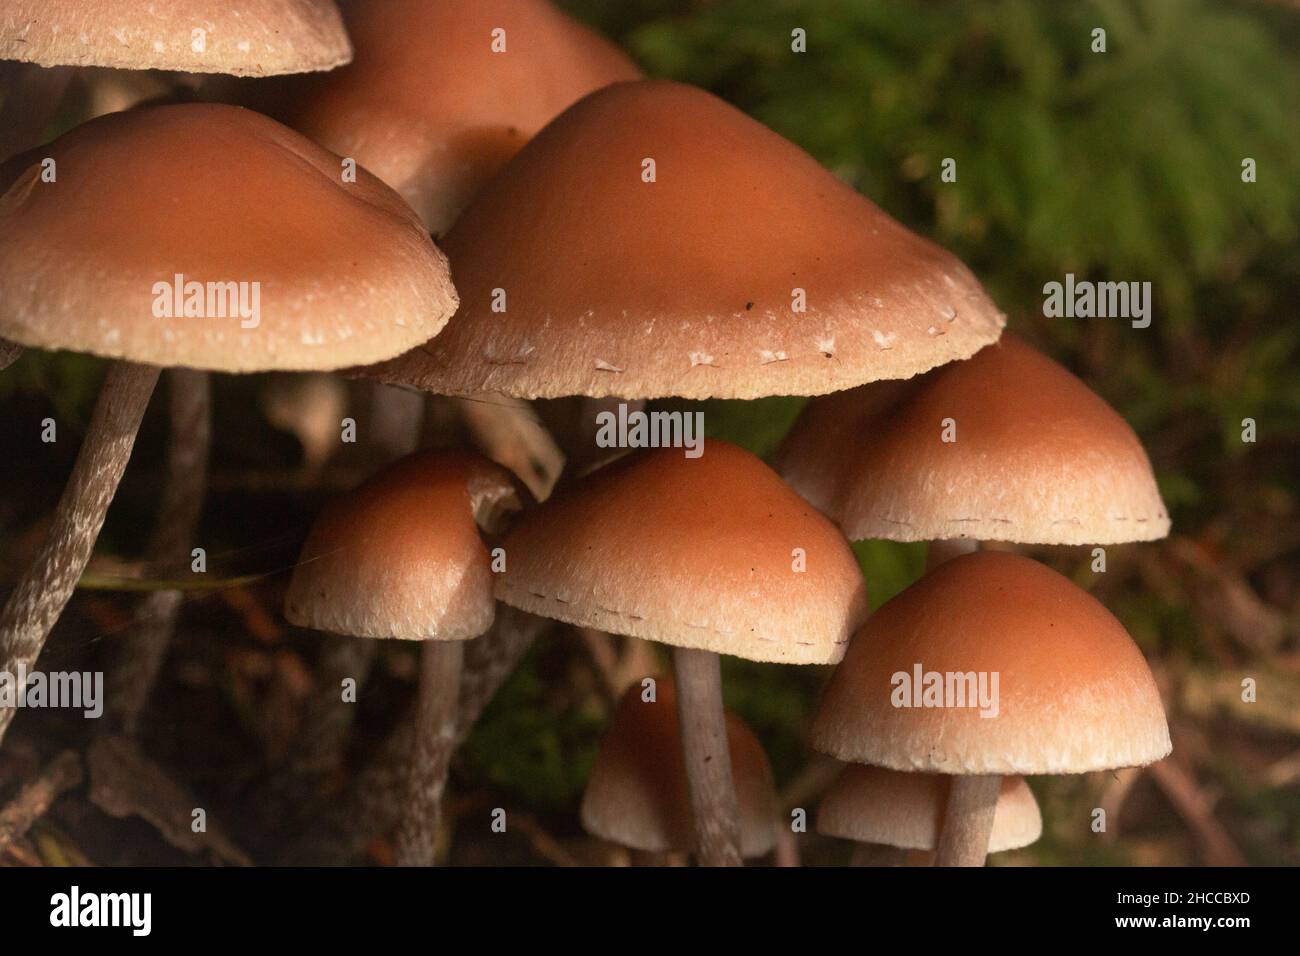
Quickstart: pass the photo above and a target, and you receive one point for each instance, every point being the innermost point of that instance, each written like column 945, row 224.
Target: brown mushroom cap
column 345, row 272
column 637, row 793
column 1038, row 457
column 241, row 37
column 685, row 286
column 691, row 552
column 431, row 109
column 875, row 805
column 1074, row 693
column 401, row 556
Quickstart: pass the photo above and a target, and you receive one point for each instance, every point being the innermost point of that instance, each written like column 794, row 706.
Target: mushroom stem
column 968, row 820
column 435, row 739
column 9, row 353
column 940, row 551
column 708, row 759
column 586, row 454
column 877, row 854
column 140, row 660
column 396, row 419
column 45, row 587
column 510, row 432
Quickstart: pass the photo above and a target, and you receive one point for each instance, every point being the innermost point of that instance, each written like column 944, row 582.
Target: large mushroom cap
column 1073, row 692
column 686, row 285
column 434, row 107
column 342, row 272
column 1038, row 457
column 700, row 553
column 401, row 556
column 637, row 793
column 875, row 805
column 240, row 37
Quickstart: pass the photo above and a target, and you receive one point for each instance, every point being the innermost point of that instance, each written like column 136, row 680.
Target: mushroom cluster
column 600, row 238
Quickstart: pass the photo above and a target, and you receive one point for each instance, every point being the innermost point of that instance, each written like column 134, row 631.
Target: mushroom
column 1038, row 458
column 991, row 665
column 654, row 241
column 238, row 37
column 888, row 813
column 436, row 100
column 57, row 42
column 402, row 557
column 435, row 103
column 637, row 795
column 713, row 555
column 196, row 236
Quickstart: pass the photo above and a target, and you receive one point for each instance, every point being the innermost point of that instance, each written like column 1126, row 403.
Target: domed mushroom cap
column 401, row 556
column 1038, row 457
column 1072, row 692
column 283, row 265
column 637, row 793
column 743, row 269
column 240, row 37
column 701, row 553
column 875, row 805
column 431, row 108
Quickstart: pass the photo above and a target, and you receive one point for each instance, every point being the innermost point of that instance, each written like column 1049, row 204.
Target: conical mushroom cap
column 875, row 805
column 433, row 106
column 743, row 269
column 240, row 37
column 637, row 793
column 401, row 555
column 1038, row 457
column 1073, row 693
column 333, row 273
column 713, row 553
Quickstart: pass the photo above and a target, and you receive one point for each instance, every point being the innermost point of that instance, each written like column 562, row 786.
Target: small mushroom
column 895, row 816
column 402, row 557
column 991, row 665
column 637, row 795
column 713, row 556
column 244, row 38
column 197, row 236
column 1038, row 457
column 434, row 106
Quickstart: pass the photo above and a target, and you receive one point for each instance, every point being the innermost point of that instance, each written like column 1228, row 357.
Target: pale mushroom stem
column 46, row 586
column 509, row 431
column 435, row 739
column 877, row 854
column 585, row 454
column 940, row 551
column 968, row 820
column 396, row 419
column 132, row 679
column 708, row 759
column 9, row 353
